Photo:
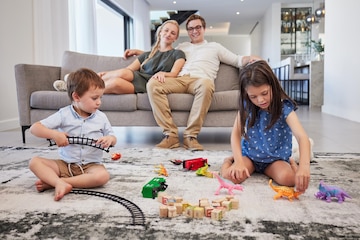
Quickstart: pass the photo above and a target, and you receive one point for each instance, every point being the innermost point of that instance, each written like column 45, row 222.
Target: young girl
column 162, row 61
column 261, row 139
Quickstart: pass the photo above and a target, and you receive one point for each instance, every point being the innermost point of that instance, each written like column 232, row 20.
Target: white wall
column 238, row 44
column 270, row 37
column 36, row 32
column 341, row 64
column 16, row 46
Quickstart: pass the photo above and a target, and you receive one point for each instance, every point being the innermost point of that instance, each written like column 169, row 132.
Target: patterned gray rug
column 125, row 214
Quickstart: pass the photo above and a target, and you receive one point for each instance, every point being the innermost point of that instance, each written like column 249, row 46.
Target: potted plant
column 318, row 48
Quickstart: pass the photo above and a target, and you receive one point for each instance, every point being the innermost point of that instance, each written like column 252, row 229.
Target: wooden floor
column 330, row 134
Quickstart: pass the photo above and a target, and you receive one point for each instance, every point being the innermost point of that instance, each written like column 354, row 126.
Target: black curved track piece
column 137, row 215
column 82, row 141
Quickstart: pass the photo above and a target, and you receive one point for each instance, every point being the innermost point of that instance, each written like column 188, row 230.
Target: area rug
column 108, row 212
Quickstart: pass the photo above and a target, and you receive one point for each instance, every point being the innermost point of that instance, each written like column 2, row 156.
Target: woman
column 162, row 61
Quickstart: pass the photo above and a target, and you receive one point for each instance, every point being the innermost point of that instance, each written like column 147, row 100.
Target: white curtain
column 51, row 36
column 82, row 26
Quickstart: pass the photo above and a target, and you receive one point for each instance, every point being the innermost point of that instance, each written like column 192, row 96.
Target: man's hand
column 132, row 52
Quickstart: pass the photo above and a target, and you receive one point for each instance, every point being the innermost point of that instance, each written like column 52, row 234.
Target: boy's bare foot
column 61, row 189
column 41, row 186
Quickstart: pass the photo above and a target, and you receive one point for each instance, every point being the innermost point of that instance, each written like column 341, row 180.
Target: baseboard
column 9, row 124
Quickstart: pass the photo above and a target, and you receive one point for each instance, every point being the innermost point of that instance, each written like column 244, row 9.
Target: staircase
column 179, row 16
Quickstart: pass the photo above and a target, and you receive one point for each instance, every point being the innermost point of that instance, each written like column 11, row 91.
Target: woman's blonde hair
column 155, row 48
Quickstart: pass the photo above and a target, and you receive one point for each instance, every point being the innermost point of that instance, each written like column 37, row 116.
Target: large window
column 114, row 28
column 99, row 27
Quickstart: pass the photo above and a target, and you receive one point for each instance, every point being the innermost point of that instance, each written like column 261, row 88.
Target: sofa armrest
column 30, row 78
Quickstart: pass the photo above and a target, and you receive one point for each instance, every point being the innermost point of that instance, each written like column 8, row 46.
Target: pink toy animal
column 230, row 186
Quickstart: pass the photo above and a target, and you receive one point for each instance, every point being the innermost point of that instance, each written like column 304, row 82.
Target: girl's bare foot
column 41, row 186
column 61, row 189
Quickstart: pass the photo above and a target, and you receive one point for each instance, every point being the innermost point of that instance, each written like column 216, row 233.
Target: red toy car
column 194, row 164
column 115, row 156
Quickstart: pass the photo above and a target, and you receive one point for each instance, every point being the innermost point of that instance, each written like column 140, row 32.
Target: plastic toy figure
column 327, row 192
column 203, row 171
column 283, row 191
column 230, row 186
column 115, row 156
column 194, row 164
column 161, row 170
column 155, row 185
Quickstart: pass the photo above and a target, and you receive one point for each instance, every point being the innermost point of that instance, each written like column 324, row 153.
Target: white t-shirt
column 203, row 59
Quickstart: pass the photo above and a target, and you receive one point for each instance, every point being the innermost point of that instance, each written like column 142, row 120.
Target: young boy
column 79, row 166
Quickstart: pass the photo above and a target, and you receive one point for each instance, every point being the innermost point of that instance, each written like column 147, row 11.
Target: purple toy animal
column 327, row 192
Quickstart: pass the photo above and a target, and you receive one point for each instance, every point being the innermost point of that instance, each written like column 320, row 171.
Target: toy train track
column 82, row 141
column 137, row 215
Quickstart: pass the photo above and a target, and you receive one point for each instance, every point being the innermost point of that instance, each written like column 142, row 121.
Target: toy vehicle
column 151, row 189
column 194, row 164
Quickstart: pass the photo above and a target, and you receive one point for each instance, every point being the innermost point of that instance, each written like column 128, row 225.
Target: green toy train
column 151, row 189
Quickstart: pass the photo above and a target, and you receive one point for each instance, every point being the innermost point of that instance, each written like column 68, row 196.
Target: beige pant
column 202, row 89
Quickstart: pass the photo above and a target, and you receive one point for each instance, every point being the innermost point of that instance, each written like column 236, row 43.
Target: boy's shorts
column 73, row 169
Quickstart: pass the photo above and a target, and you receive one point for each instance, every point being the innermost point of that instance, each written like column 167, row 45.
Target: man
column 196, row 77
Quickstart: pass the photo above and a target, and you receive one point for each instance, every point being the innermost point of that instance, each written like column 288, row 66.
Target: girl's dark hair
column 256, row 74
column 81, row 80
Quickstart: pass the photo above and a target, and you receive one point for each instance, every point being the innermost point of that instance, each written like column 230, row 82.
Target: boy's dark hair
column 81, row 80
column 194, row 17
column 257, row 74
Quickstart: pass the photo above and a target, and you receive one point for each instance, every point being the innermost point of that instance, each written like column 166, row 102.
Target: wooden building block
column 198, row 212
column 235, row 203
column 179, row 208
column 172, row 211
column 227, row 205
column 178, row 199
column 163, row 211
column 216, row 214
column 208, row 210
column 189, row 212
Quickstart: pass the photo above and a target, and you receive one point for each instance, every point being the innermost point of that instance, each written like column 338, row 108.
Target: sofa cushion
column 52, row 100
column 49, row 100
column 227, row 78
column 72, row 61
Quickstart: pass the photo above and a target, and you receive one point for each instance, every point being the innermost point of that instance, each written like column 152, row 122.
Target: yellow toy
column 203, row 171
column 161, row 170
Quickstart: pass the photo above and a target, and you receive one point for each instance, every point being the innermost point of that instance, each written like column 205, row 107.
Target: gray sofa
column 37, row 98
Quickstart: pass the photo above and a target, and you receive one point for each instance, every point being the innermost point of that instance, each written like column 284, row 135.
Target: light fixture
column 311, row 19
column 320, row 12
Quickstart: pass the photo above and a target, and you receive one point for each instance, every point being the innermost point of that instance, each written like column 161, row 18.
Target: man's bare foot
column 293, row 164
column 41, row 186
column 61, row 189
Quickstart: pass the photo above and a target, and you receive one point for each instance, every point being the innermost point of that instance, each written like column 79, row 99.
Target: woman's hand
column 159, row 76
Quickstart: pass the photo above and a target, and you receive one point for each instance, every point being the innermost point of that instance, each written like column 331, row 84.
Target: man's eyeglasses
column 197, row 28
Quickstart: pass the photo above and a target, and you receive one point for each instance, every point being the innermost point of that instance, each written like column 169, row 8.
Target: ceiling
column 221, row 15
